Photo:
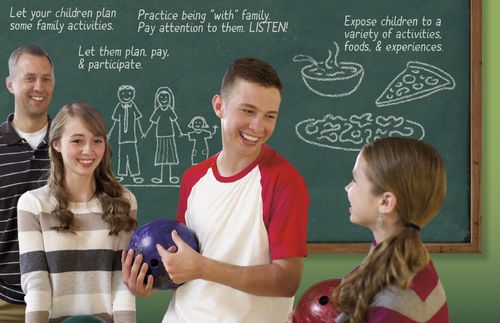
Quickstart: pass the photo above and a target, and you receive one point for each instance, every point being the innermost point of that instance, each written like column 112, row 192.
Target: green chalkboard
column 352, row 70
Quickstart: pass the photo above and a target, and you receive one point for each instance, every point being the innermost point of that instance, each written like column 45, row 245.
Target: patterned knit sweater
column 65, row 274
column 424, row 301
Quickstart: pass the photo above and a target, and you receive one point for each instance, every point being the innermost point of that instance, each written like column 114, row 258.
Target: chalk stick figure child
column 199, row 136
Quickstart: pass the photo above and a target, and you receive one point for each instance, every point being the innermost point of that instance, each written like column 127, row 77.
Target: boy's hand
column 182, row 262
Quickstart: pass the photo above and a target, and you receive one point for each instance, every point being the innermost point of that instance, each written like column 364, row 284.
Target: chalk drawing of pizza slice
column 416, row 81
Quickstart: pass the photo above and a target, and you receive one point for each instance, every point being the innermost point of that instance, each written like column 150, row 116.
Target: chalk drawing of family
column 126, row 116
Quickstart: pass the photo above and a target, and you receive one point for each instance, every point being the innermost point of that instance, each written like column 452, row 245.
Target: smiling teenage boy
column 247, row 205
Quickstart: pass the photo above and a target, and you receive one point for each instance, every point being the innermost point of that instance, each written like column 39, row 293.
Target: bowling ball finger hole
column 324, row 300
column 154, row 263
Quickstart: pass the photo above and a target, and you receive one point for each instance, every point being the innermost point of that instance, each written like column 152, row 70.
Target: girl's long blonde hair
column 415, row 172
column 115, row 205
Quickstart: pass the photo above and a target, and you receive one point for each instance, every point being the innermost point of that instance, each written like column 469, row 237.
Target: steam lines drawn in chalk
column 350, row 134
column 126, row 117
column 416, row 81
column 330, row 78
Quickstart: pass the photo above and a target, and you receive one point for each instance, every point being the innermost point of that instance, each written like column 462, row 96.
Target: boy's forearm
column 279, row 279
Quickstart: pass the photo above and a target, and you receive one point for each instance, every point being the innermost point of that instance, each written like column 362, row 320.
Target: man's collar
column 10, row 134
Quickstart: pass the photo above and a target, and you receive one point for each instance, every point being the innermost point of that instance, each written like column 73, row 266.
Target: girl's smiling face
column 81, row 150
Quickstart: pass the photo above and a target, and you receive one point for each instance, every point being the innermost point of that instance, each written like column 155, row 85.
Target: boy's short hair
column 252, row 70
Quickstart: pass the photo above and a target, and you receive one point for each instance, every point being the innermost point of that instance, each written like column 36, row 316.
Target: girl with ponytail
column 398, row 186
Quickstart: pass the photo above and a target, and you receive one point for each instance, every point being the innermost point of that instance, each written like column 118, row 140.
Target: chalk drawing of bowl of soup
column 330, row 78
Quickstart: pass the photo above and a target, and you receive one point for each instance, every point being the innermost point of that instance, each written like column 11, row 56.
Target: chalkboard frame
column 475, row 156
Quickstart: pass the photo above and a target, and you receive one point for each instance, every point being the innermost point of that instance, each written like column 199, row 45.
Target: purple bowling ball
column 144, row 241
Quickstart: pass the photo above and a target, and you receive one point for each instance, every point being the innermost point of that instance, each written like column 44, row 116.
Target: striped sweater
column 65, row 274
column 424, row 301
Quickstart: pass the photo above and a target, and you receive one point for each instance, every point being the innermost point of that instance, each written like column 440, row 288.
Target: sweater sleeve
column 35, row 280
column 123, row 300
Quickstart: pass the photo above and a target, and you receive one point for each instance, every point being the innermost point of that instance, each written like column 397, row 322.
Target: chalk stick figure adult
column 165, row 120
column 199, row 136
column 127, row 115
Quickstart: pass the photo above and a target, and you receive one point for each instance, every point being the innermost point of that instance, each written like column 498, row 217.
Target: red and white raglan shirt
column 252, row 218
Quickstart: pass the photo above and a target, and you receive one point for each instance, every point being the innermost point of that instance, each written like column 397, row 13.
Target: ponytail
column 392, row 262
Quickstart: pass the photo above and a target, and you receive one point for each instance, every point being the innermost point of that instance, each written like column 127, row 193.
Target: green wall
column 471, row 280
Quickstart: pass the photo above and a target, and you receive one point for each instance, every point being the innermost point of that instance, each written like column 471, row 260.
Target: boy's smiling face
column 248, row 117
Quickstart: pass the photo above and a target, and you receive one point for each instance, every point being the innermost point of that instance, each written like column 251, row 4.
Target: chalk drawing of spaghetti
column 351, row 133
